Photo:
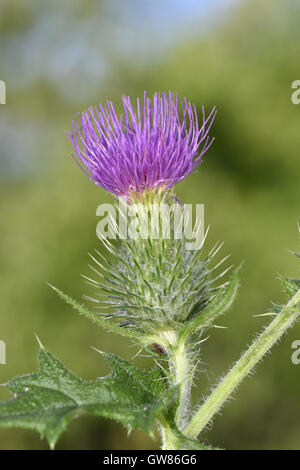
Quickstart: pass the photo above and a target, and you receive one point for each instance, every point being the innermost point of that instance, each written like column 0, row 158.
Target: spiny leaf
column 46, row 401
column 290, row 285
column 296, row 253
column 185, row 442
column 220, row 304
column 191, row 444
column 153, row 381
column 107, row 325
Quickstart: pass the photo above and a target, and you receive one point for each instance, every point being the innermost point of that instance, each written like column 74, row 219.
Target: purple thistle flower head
column 150, row 148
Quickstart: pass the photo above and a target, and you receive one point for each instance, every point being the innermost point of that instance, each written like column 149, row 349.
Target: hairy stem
column 169, row 440
column 182, row 376
column 243, row 366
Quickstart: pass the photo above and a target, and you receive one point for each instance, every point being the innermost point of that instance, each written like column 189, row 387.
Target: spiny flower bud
column 153, row 284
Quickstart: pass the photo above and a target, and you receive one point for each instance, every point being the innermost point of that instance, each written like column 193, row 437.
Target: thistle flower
column 150, row 148
column 142, row 155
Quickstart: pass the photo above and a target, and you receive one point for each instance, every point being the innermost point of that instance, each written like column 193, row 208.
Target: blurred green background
column 57, row 58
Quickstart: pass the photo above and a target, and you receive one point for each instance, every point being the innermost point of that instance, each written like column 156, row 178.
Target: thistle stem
column 169, row 440
column 182, row 377
column 248, row 360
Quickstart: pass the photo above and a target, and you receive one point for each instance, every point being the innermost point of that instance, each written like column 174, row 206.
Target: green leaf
column 96, row 318
column 219, row 305
column 290, row 285
column 46, row 401
column 173, row 438
column 186, row 443
column 152, row 382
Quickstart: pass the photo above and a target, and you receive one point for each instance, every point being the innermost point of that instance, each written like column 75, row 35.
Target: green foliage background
column 244, row 62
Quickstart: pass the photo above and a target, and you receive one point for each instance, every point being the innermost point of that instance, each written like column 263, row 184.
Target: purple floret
column 143, row 149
